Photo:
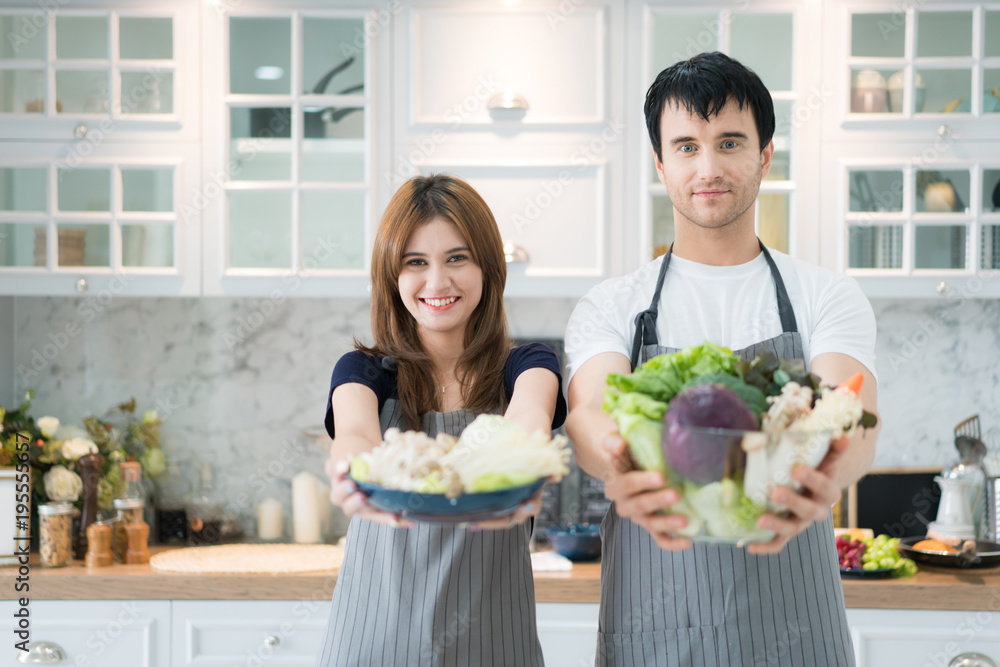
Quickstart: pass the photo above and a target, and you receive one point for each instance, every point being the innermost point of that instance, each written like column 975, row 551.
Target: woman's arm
column 533, row 402
column 355, row 410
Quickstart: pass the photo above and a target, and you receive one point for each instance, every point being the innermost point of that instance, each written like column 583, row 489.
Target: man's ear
column 659, row 169
column 765, row 159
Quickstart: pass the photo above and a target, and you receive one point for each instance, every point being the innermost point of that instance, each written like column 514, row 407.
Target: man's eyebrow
column 723, row 135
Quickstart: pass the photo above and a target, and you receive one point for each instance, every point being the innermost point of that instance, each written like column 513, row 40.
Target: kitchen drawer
column 919, row 638
column 567, row 633
column 97, row 633
column 273, row 633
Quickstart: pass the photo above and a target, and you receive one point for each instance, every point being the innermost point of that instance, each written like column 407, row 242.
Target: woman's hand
column 345, row 494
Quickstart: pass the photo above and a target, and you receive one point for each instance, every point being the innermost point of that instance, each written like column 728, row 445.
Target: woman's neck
column 444, row 350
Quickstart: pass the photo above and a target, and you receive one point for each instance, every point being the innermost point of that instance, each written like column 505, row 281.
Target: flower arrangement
column 55, row 449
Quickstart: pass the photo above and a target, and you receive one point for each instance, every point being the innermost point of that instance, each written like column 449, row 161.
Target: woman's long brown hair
column 487, row 345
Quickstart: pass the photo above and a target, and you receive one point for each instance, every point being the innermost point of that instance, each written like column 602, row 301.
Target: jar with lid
column 172, row 490
column 55, row 523
column 205, row 512
column 128, row 506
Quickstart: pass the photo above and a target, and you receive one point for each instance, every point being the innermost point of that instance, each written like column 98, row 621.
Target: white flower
column 48, row 426
column 62, row 484
column 149, row 416
column 75, row 448
column 68, row 432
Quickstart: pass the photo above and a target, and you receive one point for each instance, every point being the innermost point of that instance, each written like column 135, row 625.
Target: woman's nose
column 437, row 276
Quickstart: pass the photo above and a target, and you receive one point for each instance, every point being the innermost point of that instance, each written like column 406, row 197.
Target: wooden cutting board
column 250, row 559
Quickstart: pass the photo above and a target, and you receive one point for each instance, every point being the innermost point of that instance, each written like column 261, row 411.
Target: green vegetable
column 752, row 396
column 662, row 377
column 359, row 469
column 432, row 483
column 496, row 481
column 726, row 510
column 634, row 403
column 644, row 441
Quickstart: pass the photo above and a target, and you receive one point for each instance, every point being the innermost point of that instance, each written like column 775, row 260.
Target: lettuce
column 663, row 377
column 498, row 481
column 432, row 483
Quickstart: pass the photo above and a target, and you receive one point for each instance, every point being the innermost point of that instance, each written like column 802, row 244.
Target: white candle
column 305, row 513
column 323, row 507
column 270, row 520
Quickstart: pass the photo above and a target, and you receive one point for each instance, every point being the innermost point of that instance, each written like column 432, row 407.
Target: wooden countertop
column 932, row 588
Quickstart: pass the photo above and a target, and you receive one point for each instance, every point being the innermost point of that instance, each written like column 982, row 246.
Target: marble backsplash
column 236, row 380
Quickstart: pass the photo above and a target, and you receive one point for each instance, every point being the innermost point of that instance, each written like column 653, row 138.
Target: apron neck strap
column 645, row 321
column 788, row 323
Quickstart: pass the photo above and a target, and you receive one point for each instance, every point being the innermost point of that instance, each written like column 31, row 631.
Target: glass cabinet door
column 118, row 65
column 923, row 61
column 299, row 143
column 763, row 41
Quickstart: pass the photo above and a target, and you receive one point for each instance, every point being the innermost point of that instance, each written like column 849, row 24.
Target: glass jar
column 205, row 512
column 55, row 523
column 172, row 491
column 127, row 510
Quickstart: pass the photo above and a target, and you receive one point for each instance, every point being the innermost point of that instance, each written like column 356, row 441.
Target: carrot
column 853, row 383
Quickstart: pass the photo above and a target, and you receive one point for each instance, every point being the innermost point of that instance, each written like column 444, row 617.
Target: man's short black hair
column 703, row 85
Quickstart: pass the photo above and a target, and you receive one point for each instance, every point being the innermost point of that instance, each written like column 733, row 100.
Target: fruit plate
column 438, row 508
column 880, row 573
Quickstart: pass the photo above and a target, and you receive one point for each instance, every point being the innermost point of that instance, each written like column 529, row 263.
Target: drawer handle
column 972, row 660
column 273, row 642
column 42, row 653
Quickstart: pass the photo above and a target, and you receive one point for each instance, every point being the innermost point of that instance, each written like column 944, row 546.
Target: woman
column 422, row 594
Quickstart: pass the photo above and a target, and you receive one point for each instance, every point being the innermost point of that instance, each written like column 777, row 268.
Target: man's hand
column 819, row 493
column 639, row 495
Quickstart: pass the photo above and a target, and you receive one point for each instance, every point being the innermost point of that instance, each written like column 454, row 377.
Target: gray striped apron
column 432, row 594
column 713, row 604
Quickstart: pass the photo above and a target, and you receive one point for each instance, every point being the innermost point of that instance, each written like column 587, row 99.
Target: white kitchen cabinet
column 769, row 38
column 294, row 99
column 568, row 633
column 911, row 202
column 922, row 637
column 279, row 633
column 112, row 222
column 127, row 72
column 99, row 158
column 530, row 115
column 105, row 633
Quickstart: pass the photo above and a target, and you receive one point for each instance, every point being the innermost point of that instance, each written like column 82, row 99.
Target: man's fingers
column 632, row 483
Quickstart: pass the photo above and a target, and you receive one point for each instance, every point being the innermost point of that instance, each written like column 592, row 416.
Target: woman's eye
column 415, row 262
column 457, row 258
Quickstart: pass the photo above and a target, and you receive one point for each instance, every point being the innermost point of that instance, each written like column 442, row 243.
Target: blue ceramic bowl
column 578, row 542
column 438, row 508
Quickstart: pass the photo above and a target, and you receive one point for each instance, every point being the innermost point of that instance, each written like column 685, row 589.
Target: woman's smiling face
column 439, row 281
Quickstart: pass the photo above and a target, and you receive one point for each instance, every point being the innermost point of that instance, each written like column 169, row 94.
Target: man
column 665, row 601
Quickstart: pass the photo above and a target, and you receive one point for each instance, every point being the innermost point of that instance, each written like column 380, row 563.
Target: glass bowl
column 726, row 477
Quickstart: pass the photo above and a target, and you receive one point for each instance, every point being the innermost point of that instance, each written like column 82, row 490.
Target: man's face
column 712, row 169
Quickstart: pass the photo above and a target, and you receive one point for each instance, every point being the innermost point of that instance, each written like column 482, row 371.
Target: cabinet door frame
column 116, row 127
column 104, row 283
column 218, row 278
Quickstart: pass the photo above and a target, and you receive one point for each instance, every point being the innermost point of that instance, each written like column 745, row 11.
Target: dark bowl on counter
column 578, row 542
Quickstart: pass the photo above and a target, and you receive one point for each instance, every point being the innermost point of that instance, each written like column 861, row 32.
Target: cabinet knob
column 972, row 660
column 944, row 131
column 942, row 287
column 42, row 653
column 80, row 131
column 81, row 285
column 273, row 642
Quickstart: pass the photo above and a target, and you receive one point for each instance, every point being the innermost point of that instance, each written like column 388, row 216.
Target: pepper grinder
column 99, row 545
column 90, row 474
column 138, row 543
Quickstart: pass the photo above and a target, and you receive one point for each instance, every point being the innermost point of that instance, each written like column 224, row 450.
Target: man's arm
column 847, row 461
column 602, row 452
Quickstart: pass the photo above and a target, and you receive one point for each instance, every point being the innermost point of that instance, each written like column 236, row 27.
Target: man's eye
column 730, row 144
column 687, row 148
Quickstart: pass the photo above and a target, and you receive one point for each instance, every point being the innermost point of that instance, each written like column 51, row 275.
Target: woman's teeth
column 440, row 302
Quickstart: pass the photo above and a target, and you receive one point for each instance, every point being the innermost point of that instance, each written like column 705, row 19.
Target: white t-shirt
column 732, row 306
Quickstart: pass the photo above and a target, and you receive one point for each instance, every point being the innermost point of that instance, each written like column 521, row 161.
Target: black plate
column 987, row 555
column 880, row 573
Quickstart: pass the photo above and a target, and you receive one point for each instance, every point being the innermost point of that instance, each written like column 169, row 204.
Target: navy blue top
column 358, row 367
